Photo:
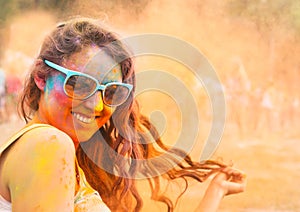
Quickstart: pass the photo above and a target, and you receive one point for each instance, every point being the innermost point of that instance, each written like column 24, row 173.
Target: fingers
column 230, row 181
column 234, row 175
column 236, row 180
column 234, row 187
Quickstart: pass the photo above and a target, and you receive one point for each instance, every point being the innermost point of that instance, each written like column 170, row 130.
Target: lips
column 83, row 118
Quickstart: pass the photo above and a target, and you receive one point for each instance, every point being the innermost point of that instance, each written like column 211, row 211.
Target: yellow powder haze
column 262, row 142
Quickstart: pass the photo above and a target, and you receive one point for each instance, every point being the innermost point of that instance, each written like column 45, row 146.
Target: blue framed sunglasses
column 81, row 86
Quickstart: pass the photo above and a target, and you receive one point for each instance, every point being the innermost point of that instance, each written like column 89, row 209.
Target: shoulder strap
column 16, row 136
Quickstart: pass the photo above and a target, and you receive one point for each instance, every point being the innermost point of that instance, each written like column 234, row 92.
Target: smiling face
column 80, row 119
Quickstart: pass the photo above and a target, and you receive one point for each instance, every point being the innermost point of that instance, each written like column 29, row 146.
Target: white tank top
column 5, row 206
column 86, row 198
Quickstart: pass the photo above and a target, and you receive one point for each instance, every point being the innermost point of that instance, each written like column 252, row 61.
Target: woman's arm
column 40, row 171
column 227, row 181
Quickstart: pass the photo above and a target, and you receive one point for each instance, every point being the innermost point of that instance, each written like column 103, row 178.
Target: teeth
column 82, row 118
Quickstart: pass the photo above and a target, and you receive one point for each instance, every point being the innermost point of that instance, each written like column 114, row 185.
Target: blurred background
column 252, row 44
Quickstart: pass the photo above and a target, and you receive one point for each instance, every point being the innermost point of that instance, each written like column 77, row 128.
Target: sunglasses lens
column 115, row 94
column 79, row 87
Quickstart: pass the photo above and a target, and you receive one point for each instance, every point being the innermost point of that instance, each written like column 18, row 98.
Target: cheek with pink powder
column 54, row 90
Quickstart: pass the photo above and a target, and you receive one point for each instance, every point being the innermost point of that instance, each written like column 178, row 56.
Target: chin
column 83, row 137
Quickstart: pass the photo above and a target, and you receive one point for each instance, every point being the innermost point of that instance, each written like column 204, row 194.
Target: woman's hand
column 225, row 182
column 229, row 181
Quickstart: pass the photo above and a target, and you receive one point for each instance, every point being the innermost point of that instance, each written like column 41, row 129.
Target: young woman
column 86, row 138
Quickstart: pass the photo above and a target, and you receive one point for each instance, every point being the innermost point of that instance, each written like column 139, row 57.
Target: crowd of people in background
column 261, row 110
column 251, row 109
column 10, row 85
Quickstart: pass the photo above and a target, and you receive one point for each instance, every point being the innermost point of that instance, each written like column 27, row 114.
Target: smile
column 82, row 118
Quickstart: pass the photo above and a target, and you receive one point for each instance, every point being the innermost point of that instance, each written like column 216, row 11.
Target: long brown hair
column 123, row 149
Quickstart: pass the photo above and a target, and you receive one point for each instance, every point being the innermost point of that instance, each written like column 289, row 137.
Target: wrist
column 211, row 199
column 217, row 190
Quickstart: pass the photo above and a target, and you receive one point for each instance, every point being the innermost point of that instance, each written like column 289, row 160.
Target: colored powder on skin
column 49, row 84
column 43, row 162
column 113, row 76
column 105, row 76
column 99, row 69
column 77, row 63
column 99, row 106
column 52, row 82
column 42, row 165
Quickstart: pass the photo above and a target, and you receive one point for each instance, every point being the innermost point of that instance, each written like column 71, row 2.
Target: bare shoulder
column 47, row 136
column 43, row 159
column 43, row 143
column 39, row 150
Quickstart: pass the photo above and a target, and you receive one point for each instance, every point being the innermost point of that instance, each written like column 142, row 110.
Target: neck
column 37, row 119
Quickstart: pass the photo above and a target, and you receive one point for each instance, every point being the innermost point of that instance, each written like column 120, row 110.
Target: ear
column 40, row 82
